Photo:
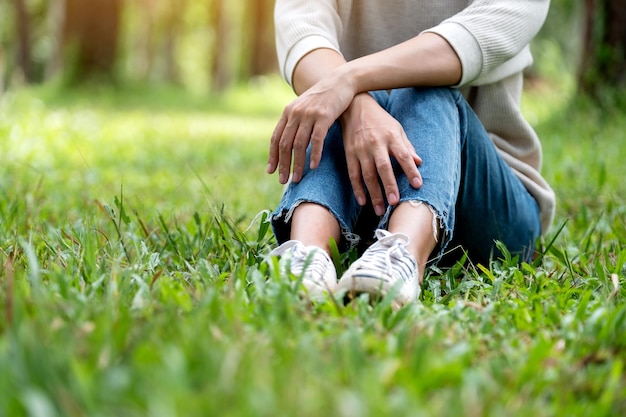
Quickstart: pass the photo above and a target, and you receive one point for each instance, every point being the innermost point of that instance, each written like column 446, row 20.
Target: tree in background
column 219, row 20
column 603, row 67
column 172, row 31
column 156, row 39
column 210, row 44
column 261, row 51
column 90, row 37
column 22, row 41
column 243, row 41
column 24, row 55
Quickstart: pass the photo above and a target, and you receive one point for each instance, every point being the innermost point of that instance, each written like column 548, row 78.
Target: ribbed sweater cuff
column 466, row 47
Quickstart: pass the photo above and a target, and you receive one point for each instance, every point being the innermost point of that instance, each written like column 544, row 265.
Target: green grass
column 133, row 279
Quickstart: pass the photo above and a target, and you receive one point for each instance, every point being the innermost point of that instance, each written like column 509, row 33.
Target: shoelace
column 391, row 246
column 300, row 257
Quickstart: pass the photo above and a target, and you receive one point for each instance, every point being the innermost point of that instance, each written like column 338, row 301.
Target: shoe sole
column 370, row 284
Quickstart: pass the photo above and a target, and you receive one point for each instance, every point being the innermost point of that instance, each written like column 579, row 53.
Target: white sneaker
column 384, row 265
column 309, row 262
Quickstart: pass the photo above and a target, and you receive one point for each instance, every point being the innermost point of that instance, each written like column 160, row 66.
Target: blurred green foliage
column 148, row 34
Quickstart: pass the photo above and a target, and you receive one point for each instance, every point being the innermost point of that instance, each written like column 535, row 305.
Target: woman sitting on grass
column 407, row 127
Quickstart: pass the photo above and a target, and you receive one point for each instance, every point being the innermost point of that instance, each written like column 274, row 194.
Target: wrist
column 357, row 105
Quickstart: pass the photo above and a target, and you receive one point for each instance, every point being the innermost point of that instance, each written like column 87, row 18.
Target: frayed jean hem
column 442, row 227
column 281, row 224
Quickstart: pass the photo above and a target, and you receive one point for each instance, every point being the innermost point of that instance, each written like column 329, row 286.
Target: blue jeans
column 476, row 196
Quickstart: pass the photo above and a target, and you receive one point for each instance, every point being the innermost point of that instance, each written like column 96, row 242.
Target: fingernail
column 269, row 168
column 296, row 177
column 392, row 198
column 416, row 182
column 282, row 178
column 380, row 210
column 361, row 201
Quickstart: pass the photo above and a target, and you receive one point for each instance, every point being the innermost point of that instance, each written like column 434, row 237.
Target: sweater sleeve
column 491, row 33
column 301, row 27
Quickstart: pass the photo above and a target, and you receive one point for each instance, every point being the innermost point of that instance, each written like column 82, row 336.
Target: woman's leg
column 396, row 261
column 492, row 203
column 321, row 206
column 416, row 221
column 310, row 214
column 314, row 225
column 475, row 197
column 431, row 121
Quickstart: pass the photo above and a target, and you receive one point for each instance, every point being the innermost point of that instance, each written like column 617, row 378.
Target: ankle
column 314, row 225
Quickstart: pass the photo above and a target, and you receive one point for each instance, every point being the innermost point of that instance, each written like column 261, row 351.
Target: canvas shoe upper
column 383, row 266
column 311, row 263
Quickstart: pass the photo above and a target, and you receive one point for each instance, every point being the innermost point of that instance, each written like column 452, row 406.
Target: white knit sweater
column 490, row 37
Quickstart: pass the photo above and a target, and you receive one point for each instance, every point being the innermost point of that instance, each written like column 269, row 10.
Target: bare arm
column 426, row 60
column 315, row 66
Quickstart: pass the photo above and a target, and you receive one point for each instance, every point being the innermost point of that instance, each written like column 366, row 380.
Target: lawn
column 134, row 280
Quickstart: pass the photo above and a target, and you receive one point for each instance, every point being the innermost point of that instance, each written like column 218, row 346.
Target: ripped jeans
column 475, row 195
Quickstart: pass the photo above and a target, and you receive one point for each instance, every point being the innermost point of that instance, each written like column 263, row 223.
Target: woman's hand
column 307, row 119
column 371, row 137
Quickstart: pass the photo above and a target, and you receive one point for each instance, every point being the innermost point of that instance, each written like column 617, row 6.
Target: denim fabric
column 475, row 194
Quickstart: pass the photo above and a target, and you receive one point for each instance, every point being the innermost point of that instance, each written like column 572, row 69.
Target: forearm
column 314, row 66
column 426, row 60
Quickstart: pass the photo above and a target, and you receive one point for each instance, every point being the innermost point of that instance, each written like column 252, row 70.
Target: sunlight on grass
column 169, row 160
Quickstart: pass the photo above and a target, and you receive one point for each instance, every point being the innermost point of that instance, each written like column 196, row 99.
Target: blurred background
column 209, row 45
column 199, row 45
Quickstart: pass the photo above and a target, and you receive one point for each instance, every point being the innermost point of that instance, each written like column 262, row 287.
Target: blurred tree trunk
column 145, row 51
column 3, row 71
column 56, row 19
column 604, row 45
column 261, row 38
column 221, row 70
column 173, row 28
column 24, row 56
column 90, row 35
